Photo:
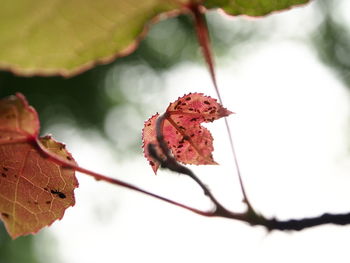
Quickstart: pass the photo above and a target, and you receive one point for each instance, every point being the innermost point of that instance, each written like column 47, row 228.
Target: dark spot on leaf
column 185, row 137
column 181, row 116
column 206, row 102
column 45, row 189
column 180, row 146
column 193, row 119
column 5, row 215
column 192, row 135
column 183, row 104
column 188, row 98
column 58, row 193
column 69, row 158
column 5, row 168
column 15, row 175
column 151, row 163
column 178, row 156
column 182, row 127
column 36, row 203
column 213, row 111
column 3, row 175
column 190, row 109
column 178, row 152
column 148, row 124
column 48, row 202
column 177, row 104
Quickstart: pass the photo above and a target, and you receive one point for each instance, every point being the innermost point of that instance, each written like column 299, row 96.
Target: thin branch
column 300, row 224
column 99, row 177
column 204, row 42
column 249, row 217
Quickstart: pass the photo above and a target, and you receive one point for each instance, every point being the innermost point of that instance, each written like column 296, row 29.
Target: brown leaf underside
column 34, row 191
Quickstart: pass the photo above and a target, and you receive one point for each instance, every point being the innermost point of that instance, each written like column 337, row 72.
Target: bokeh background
column 287, row 78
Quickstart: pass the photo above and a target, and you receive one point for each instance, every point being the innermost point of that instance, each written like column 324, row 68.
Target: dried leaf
column 34, row 190
column 189, row 142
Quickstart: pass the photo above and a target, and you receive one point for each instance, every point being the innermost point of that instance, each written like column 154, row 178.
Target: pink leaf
column 189, row 142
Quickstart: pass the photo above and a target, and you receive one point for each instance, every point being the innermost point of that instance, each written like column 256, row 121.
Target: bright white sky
column 291, row 135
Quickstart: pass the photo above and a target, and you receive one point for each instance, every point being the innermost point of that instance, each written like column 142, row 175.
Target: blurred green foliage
column 20, row 250
column 332, row 40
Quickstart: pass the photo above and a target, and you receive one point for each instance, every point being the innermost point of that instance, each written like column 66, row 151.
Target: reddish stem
column 62, row 162
column 204, row 42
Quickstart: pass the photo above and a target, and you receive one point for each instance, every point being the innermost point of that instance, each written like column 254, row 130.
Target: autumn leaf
column 34, row 190
column 188, row 140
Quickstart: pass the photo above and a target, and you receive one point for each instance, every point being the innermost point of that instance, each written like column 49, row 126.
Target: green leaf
column 252, row 7
column 49, row 37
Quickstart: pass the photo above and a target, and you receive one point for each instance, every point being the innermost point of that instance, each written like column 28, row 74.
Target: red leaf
column 34, row 190
column 189, row 142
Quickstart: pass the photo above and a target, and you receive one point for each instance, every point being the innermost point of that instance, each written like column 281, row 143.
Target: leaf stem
column 204, row 42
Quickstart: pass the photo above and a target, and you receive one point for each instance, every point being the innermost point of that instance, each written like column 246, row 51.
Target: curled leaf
column 149, row 136
column 188, row 140
column 34, row 190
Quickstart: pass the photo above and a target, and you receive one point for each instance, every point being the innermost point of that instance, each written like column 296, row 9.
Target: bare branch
column 250, row 217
